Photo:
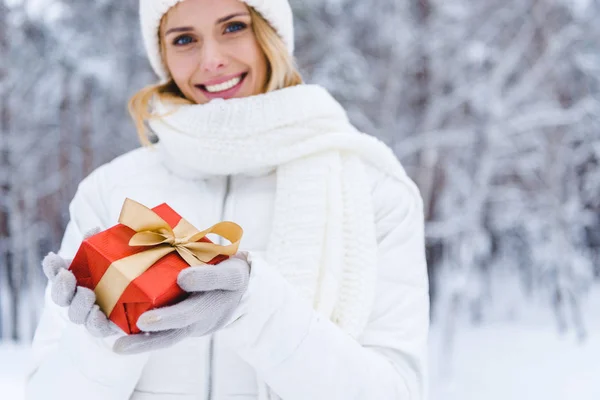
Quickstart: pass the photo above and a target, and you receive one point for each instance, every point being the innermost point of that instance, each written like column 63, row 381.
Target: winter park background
column 493, row 107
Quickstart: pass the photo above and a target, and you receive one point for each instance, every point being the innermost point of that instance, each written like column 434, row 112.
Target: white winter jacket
column 276, row 336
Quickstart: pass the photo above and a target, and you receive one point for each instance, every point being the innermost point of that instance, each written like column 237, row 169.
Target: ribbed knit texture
column 323, row 237
column 278, row 13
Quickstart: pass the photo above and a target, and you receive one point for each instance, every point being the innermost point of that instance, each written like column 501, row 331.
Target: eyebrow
column 227, row 18
column 181, row 29
column 219, row 21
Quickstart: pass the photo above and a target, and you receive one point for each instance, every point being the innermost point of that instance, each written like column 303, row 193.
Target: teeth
column 223, row 86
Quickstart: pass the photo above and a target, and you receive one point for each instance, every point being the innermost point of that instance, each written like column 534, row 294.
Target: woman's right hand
column 81, row 301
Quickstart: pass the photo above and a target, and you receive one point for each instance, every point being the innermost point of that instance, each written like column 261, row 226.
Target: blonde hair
column 281, row 73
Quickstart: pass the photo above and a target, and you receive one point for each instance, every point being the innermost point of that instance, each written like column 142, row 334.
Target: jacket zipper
column 211, row 347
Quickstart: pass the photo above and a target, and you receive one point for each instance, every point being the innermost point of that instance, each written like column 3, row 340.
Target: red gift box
column 108, row 264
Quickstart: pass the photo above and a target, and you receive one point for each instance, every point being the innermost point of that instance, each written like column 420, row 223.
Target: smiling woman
column 327, row 297
column 229, row 50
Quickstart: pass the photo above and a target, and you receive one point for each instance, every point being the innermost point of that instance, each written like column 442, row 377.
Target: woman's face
column 211, row 51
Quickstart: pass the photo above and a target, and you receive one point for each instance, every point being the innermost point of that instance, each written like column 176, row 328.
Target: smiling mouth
column 225, row 86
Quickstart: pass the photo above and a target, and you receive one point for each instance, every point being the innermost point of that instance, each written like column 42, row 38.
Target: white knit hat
column 277, row 12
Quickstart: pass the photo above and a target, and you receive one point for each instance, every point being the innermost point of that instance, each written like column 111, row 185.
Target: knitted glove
column 81, row 301
column 216, row 291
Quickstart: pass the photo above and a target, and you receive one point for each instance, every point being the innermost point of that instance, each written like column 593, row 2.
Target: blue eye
column 182, row 40
column 235, row 27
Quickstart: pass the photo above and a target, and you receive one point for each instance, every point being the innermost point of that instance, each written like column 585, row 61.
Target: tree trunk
column 5, row 188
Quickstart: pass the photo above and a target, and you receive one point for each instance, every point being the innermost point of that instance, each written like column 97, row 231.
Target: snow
column 501, row 362
column 497, row 122
column 495, row 362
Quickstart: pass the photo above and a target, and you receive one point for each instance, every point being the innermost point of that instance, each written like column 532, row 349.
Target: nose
column 212, row 58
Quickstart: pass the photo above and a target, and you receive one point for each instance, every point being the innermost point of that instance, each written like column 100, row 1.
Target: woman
column 329, row 299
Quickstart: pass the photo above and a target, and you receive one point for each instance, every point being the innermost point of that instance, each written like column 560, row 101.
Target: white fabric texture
column 328, row 214
column 278, row 13
column 323, row 236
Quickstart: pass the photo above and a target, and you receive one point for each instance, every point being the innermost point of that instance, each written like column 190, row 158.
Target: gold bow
column 153, row 231
column 161, row 239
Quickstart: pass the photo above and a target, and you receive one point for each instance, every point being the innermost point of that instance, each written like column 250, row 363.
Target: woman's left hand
column 215, row 292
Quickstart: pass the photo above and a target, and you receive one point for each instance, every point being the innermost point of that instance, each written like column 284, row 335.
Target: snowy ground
column 497, row 362
column 519, row 355
column 505, row 362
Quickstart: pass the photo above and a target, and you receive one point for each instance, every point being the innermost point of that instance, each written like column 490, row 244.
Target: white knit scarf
column 323, row 235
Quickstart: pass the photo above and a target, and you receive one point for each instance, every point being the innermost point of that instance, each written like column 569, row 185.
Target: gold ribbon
column 155, row 233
